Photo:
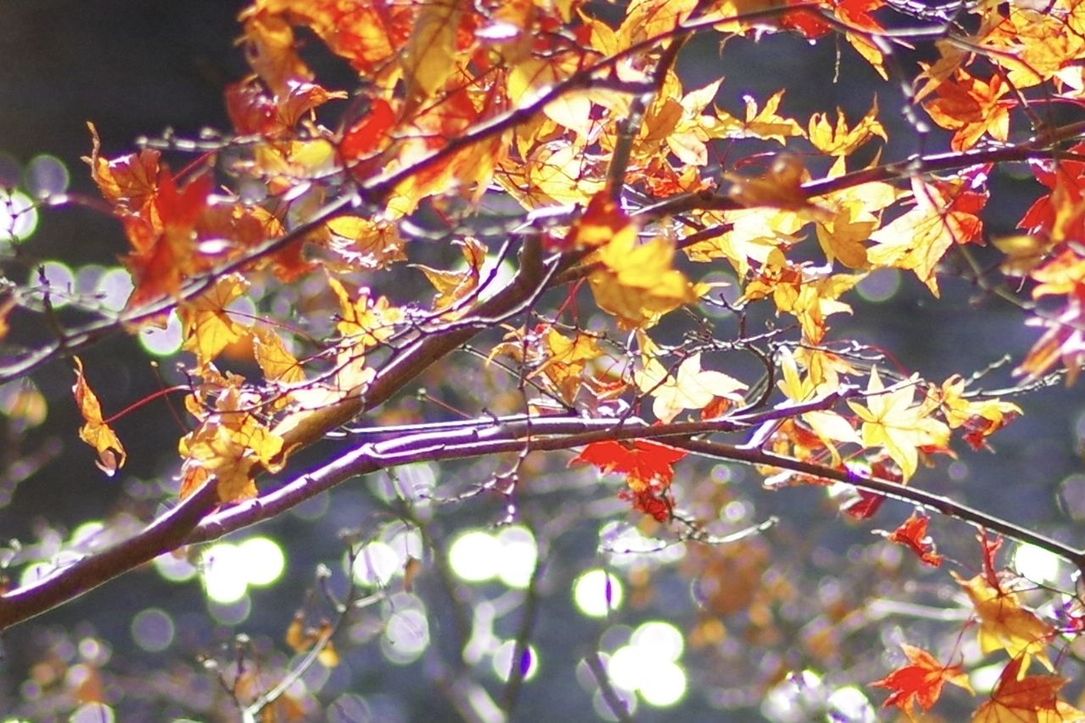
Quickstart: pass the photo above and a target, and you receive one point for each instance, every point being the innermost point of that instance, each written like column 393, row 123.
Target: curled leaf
column 96, row 433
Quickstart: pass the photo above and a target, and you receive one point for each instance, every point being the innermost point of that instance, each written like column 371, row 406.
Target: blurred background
column 783, row 626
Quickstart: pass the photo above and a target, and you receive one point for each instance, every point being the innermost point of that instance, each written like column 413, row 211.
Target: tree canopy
column 518, row 303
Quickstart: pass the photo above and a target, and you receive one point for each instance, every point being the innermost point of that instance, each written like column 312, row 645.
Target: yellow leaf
column 838, row 140
column 229, row 443
column 637, row 283
column 96, row 433
column 364, row 322
column 453, row 286
column 276, row 361
column 567, row 358
column 692, row 388
column 920, row 238
column 767, row 123
column 430, row 57
column 1005, row 625
column 892, row 421
column 842, row 238
column 205, row 323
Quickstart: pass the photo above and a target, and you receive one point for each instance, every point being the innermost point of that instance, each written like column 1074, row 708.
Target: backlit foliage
column 520, row 229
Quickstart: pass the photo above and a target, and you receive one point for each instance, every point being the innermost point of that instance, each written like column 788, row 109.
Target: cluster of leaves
column 580, row 127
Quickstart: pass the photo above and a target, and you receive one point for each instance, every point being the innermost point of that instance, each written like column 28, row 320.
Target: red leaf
column 920, row 681
column 644, row 461
column 913, row 534
column 369, row 133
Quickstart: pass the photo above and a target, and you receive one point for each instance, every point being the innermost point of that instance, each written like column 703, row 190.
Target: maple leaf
column 1017, row 697
column 453, row 286
column 368, row 35
column 765, row 123
column 229, row 444
column 636, row 282
column 206, row 325
column 1059, row 214
column 95, row 432
column 981, row 417
column 972, row 108
column 779, row 187
column 1005, row 624
column 270, row 51
column 164, row 243
column 429, row 58
column 643, row 461
column 648, row 467
column 920, row 681
column 130, row 182
column 692, row 388
column 920, row 238
column 890, row 420
column 364, row 322
column 566, row 359
column 808, row 293
column 275, row 360
column 366, row 244
column 838, row 140
column 912, row 533
column 827, row 425
column 602, row 219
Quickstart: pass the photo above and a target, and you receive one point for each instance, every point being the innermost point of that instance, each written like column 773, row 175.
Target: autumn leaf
column 691, row 388
column 637, row 282
column 429, row 58
column 891, row 420
column 828, row 425
column 779, row 187
column 1005, row 624
column 945, row 213
column 972, row 108
column 1018, row 697
column 912, row 533
column 302, row 638
column 454, row 286
column 129, row 182
column 95, row 431
column 920, row 681
column 980, row 416
column 602, row 219
column 275, row 360
column 838, row 140
column 231, row 443
column 206, row 325
column 642, row 461
column 164, row 243
column 566, row 359
column 649, row 470
column 363, row 321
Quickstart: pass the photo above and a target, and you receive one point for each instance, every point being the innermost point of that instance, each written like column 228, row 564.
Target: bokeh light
column 162, row 342
column 265, row 560
column 597, row 593
column 18, row 216
column 152, row 630
column 474, row 556
column 502, row 661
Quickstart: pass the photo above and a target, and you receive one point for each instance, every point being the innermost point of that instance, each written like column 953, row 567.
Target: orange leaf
column 96, row 433
column 1028, row 698
column 920, row 681
column 972, row 108
column 912, row 533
